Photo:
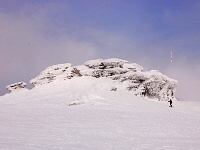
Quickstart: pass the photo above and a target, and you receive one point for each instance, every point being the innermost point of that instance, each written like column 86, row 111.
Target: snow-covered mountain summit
column 97, row 105
column 124, row 75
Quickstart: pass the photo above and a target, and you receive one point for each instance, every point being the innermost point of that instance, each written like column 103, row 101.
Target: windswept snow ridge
column 130, row 76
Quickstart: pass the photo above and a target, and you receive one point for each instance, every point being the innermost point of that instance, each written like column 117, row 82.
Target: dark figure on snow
column 144, row 92
column 170, row 103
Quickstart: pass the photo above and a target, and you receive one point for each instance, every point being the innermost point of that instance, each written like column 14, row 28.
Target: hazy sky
column 35, row 34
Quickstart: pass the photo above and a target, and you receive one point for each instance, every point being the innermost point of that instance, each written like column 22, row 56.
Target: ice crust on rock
column 133, row 66
column 108, row 67
column 16, row 86
column 130, row 76
column 105, row 64
column 55, row 72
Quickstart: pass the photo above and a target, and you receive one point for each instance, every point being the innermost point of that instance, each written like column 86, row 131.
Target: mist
column 26, row 49
column 187, row 73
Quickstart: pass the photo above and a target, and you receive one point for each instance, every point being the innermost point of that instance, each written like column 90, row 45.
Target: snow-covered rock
column 55, row 72
column 133, row 66
column 16, row 86
column 130, row 76
column 108, row 67
column 105, row 64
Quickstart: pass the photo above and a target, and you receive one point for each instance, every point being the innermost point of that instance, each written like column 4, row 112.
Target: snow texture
column 84, row 113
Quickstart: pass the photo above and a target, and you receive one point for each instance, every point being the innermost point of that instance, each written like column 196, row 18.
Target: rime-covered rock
column 16, row 86
column 154, row 84
column 133, row 66
column 108, row 67
column 130, row 76
column 52, row 73
column 106, row 63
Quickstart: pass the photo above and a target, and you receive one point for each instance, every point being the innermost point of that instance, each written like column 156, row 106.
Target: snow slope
column 85, row 114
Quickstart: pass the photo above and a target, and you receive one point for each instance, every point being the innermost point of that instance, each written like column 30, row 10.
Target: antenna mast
column 171, row 56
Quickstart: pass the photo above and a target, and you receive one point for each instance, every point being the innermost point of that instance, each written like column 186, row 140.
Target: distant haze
column 37, row 34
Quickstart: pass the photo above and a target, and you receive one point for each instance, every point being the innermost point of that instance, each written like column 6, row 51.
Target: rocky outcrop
column 55, row 72
column 16, row 86
column 151, row 84
column 107, row 68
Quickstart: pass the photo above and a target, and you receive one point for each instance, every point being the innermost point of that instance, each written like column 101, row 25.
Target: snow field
column 84, row 114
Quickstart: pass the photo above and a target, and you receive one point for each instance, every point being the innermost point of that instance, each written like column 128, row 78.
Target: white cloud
column 187, row 74
column 27, row 49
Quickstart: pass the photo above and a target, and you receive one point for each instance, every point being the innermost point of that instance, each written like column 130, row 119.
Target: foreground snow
column 83, row 113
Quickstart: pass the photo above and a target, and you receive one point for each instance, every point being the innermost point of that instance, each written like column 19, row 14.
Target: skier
column 170, row 103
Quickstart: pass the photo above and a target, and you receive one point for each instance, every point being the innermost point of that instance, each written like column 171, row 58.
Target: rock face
column 16, row 86
column 151, row 84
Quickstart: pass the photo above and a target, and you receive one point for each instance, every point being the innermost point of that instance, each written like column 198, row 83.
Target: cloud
column 187, row 73
column 27, row 47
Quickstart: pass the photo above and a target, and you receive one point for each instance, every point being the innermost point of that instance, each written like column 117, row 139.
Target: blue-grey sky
column 37, row 34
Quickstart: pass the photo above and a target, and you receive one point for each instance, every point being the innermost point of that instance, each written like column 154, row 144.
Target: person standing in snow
column 170, row 103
